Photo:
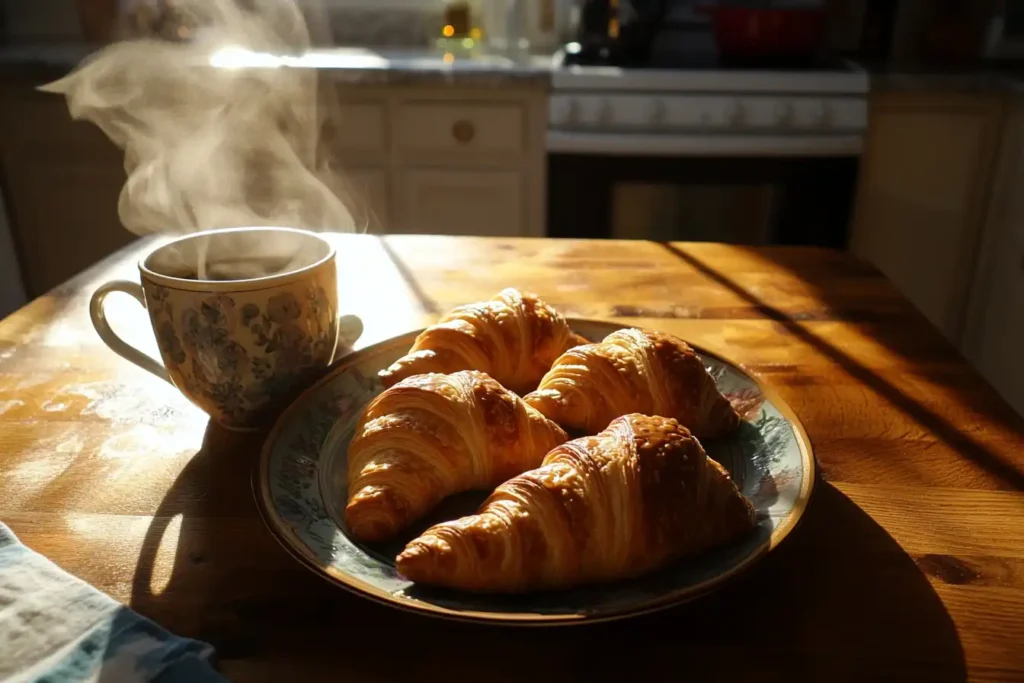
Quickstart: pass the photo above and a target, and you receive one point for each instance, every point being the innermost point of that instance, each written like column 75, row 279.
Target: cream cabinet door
column 62, row 180
column 470, row 202
column 925, row 174
column 358, row 127
column 365, row 193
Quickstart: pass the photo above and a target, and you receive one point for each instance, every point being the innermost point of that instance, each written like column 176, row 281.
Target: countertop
column 408, row 66
column 908, row 564
column 346, row 65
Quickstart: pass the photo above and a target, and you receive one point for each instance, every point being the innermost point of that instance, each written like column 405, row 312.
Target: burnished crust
column 433, row 435
column 514, row 338
column 636, row 497
column 633, row 371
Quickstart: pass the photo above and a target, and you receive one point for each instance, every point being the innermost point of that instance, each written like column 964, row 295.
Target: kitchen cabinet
column 925, row 179
column 460, row 130
column 355, row 134
column 356, row 130
column 366, row 193
column 411, row 158
column 994, row 335
column 462, row 202
column 59, row 231
column 443, row 159
column 61, row 182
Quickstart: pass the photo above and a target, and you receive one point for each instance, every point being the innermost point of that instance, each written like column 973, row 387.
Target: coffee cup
column 244, row 318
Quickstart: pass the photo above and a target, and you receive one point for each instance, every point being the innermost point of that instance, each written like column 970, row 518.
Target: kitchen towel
column 55, row 628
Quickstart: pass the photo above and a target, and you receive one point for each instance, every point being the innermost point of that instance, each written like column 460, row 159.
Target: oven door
column 755, row 200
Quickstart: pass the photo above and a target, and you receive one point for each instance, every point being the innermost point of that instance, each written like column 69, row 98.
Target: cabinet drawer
column 462, row 202
column 358, row 127
column 459, row 128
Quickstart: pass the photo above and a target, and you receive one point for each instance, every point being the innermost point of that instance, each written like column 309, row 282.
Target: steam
column 207, row 146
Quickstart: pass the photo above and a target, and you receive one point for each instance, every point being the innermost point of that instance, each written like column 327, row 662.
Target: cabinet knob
column 564, row 110
column 654, row 111
column 783, row 112
column 819, row 114
column 732, row 112
column 463, row 131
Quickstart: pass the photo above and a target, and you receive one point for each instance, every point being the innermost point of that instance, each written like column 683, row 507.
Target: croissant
column 633, row 371
column 634, row 498
column 514, row 337
column 430, row 436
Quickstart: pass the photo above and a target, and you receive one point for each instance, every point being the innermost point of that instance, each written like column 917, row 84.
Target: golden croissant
column 430, row 436
column 639, row 495
column 514, row 337
column 633, row 371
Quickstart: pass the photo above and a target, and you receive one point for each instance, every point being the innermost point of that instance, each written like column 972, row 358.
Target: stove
column 707, row 108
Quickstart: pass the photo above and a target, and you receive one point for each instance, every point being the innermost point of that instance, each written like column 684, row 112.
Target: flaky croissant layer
column 636, row 497
column 633, row 371
column 433, row 435
column 514, row 338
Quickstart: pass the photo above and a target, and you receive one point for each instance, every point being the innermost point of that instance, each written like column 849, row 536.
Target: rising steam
column 210, row 147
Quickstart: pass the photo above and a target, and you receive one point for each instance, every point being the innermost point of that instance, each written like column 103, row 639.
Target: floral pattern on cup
column 240, row 356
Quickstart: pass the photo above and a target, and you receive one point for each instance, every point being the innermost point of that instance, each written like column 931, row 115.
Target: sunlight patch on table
column 10, row 405
column 163, row 563
column 39, row 467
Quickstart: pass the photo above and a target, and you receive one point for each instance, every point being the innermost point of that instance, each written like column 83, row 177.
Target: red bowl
column 744, row 31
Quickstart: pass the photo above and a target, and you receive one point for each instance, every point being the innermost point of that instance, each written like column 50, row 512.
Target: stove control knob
column 782, row 113
column 818, row 114
column 654, row 111
column 564, row 110
column 732, row 113
column 605, row 113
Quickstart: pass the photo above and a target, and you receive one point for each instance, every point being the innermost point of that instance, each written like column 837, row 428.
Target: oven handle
column 626, row 144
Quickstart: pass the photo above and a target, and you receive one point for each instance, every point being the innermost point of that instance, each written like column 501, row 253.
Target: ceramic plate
column 300, row 487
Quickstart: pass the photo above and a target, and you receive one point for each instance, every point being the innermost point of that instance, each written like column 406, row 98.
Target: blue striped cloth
column 55, row 628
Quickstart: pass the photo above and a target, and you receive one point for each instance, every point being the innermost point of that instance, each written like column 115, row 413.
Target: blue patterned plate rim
column 284, row 533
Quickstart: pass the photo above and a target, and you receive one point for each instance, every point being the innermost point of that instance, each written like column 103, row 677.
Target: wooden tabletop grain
column 908, row 565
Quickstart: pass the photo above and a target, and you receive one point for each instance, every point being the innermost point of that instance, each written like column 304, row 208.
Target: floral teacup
column 237, row 341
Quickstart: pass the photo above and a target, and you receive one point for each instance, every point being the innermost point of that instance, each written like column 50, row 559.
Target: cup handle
column 110, row 338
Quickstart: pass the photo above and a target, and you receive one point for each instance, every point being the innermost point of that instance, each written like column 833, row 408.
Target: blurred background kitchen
column 891, row 128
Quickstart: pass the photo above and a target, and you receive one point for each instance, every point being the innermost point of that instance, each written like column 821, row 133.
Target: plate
column 301, row 480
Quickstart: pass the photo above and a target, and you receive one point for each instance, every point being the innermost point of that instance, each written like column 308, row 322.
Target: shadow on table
column 930, row 350
column 839, row 600
column 213, row 581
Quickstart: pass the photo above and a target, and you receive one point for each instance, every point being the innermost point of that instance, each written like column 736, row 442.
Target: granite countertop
column 409, row 66
column 412, row 66
column 348, row 65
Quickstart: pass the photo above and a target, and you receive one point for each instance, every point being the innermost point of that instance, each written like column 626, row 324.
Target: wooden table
column 909, row 563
